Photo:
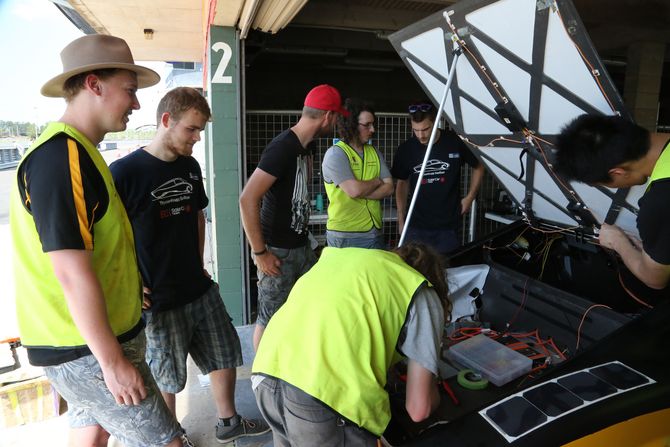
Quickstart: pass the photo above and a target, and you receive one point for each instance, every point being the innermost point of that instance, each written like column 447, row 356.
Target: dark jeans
column 443, row 241
column 299, row 420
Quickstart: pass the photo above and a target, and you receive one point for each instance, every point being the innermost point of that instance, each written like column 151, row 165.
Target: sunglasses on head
column 419, row 108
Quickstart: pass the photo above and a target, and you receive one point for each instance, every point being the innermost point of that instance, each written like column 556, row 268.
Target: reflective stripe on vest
column 355, row 215
column 337, row 342
column 43, row 316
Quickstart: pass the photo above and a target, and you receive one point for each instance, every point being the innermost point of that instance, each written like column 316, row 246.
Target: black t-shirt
column 652, row 221
column 285, row 208
column 438, row 204
column 66, row 195
column 51, row 179
column 163, row 200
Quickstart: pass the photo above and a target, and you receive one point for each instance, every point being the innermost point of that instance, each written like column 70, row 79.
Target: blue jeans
column 444, row 241
column 299, row 420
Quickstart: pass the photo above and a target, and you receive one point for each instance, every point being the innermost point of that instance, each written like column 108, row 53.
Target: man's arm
column 421, row 344
column 647, row 270
column 202, row 226
column 201, row 235
column 386, row 188
column 361, row 189
column 401, row 191
column 86, row 303
column 250, row 212
column 336, row 169
column 475, row 183
column 421, row 395
column 383, row 190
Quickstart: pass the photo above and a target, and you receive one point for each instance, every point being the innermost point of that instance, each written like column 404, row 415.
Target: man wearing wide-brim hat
column 78, row 291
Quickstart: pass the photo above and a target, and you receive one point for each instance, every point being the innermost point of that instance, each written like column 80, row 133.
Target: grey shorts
column 298, row 419
column 201, row 328
column 89, row 401
column 273, row 290
column 370, row 239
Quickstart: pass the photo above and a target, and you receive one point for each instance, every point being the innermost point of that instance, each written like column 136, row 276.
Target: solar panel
column 587, row 386
column 516, row 416
column 618, row 375
column 523, row 69
column 552, row 399
column 526, row 411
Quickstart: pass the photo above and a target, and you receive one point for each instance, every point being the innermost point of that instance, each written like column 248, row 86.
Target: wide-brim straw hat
column 97, row 52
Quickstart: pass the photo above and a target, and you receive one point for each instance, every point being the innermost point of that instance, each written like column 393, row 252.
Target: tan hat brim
column 146, row 77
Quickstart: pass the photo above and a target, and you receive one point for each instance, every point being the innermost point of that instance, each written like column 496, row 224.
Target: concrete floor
column 195, row 410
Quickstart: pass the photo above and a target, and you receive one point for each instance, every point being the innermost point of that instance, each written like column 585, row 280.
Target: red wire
column 632, row 295
column 523, row 301
column 579, row 329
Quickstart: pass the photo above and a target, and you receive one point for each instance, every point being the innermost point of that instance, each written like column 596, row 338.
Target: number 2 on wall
column 218, row 77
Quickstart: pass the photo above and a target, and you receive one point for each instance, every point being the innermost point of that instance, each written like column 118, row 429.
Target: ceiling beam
column 348, row 14
column 228, row 11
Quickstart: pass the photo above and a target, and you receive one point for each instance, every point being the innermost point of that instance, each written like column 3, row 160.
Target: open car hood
column 527, row 69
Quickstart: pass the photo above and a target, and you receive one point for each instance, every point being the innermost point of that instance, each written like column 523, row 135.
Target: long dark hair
column 347, row 127
column 430, row 264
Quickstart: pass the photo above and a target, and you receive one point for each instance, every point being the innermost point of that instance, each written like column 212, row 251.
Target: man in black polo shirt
column 437, row 212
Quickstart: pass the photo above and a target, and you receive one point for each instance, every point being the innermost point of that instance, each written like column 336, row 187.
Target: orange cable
column 579, row 329
column 632, row 295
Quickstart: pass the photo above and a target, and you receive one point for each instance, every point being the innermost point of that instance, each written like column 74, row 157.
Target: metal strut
column 452, row 71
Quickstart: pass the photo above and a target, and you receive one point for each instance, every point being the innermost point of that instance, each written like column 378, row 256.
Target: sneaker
column 185, row 441
column 245, row 427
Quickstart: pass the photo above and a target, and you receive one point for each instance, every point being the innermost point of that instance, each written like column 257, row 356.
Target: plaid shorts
column 89, row 401
column 273, row 290
column 201, row 328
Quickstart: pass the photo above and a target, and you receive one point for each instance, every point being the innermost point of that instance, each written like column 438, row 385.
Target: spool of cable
column 471, row 380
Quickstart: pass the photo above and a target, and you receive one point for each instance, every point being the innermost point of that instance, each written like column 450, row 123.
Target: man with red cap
column 78, row 290
column 277, row 230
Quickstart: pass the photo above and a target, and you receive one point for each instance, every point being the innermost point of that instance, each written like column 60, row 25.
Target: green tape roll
column 470, row 380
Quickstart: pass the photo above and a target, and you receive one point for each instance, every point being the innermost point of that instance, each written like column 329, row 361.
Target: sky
column 32, row 35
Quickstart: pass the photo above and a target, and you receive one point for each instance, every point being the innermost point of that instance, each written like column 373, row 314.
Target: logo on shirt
column 174, row 211
column 172, row 188
column 433, row 166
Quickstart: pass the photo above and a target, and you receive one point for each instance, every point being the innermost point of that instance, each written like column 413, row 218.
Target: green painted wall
column 224, row 166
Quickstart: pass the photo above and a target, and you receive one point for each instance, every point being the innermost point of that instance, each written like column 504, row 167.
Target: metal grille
column 9, row 157
column 391, row 130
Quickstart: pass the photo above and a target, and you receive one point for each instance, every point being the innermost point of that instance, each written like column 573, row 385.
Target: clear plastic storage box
column 495, row 361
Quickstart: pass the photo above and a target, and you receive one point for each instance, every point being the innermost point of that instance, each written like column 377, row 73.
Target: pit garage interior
column 280, row 49
column 273, row 51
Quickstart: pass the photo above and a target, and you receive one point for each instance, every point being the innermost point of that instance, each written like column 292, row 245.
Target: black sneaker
column 185, row 441
column 244, row 427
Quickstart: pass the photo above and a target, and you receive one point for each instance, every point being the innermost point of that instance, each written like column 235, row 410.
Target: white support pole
column 473, row 221
column 450, row 78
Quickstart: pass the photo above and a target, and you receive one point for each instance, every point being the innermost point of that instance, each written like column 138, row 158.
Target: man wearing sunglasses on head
column 437, row 213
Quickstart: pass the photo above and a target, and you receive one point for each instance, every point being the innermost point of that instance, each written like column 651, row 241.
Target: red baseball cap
column 325, row 97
